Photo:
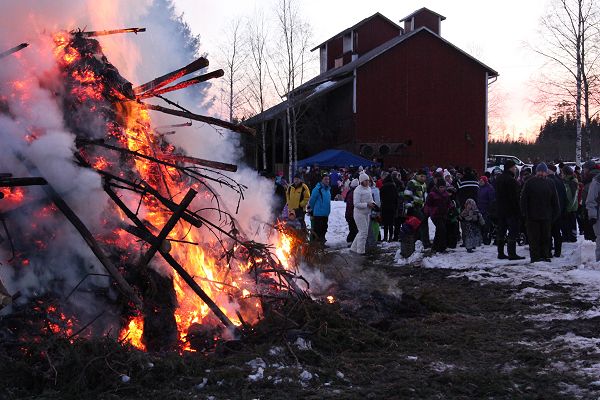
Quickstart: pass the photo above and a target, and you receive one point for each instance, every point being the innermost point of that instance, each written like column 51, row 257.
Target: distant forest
column 556, row 142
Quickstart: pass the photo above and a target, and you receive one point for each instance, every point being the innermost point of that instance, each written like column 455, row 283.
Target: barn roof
column 344, row 74
column 356, row 26
column 420, row 10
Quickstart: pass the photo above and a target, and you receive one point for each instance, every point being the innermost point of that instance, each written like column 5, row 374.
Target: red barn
column 403, row 95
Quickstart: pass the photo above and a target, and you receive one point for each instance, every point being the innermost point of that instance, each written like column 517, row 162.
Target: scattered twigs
column 110, row 32
column 172, row 76
column 182, row 85
column 202, row 118
column 13, row 50
column 87, row 236
column 81, row 282
column 83, row 328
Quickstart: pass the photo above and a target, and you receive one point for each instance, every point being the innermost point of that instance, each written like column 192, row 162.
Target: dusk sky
column 496, row 33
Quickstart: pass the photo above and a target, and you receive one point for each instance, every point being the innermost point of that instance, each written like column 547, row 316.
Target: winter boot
column 557, row 249
column 511, row 246
column 501, row 255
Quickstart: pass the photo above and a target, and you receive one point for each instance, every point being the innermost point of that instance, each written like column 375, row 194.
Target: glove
column 593, row 221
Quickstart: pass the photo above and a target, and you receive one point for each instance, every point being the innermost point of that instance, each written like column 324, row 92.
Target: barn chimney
column 423, row 18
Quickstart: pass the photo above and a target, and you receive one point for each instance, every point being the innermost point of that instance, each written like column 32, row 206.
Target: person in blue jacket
column 320, row 208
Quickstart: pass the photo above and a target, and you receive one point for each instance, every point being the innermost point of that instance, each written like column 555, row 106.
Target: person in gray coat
column 592, row 203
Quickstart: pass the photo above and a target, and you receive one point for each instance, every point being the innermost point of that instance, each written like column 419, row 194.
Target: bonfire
column 179, row 272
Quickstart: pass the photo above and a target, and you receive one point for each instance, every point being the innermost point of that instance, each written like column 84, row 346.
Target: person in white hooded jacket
column 363, row 203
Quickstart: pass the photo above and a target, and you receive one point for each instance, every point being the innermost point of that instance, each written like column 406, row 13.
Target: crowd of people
column 542, row 206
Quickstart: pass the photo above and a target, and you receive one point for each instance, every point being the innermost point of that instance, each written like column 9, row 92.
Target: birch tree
column 257, row 93
column 233, row 58
column 570, row 46
column 289, row 60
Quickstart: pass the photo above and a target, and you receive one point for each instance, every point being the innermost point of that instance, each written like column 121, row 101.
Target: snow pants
column 363, row 222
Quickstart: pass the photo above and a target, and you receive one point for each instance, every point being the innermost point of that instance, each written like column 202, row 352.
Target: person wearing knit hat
column 415, row 205
column 363, row 204
column 540, row 206
column 541, row 169
column 354, row 183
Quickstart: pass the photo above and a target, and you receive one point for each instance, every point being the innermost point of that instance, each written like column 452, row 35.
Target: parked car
column 497, row 161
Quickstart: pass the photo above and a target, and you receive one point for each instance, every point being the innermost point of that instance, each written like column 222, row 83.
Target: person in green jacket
column 415, row 194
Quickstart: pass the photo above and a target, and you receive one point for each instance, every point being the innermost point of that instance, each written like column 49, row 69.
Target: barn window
column 347, row 42
column 323, row 52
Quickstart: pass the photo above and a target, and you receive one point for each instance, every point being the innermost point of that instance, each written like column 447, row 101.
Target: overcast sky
column 495, row 32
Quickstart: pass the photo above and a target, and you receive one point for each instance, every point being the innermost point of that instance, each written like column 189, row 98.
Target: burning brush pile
column 172, row 268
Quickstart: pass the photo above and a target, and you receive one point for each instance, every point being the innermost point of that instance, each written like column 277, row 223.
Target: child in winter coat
column 472, row 221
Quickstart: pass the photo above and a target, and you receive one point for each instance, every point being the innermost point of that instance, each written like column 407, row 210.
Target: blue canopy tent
column 333, row 158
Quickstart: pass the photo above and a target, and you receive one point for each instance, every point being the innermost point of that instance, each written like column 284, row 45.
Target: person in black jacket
column 468, row 187
column 352, row 228
column 508, row 212
column 540, row 206
column 389, row 207
column 561, row 191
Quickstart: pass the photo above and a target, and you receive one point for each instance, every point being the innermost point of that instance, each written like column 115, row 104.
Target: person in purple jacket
column 486, row 197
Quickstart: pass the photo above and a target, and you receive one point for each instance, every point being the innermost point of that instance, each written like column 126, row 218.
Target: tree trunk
column 290, row 141
column 264, row 145
column 578, row 99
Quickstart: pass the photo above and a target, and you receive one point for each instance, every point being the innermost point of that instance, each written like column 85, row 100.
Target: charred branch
column 172, row 76
column 177, row 214
column 199, row 161
column 202, row 118
column 12, row 182
column 182, row 85
column 13, row 50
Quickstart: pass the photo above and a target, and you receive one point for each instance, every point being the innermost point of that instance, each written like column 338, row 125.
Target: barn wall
column 425, row 91
column 335, row 48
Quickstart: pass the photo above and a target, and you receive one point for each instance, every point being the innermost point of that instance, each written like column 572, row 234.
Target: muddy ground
column 393, row 333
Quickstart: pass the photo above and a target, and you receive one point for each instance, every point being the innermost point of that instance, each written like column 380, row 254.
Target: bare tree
column 233, row 58
column 289, row 61
column 257, row 72
column 570, row 46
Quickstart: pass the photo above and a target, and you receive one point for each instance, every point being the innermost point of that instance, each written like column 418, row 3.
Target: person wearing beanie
column 540, row 207
column 485, row 198
column 414, row 205
column 569, row 226
column 297, row 196
column 508, row 211
column 352, row 228
column 363, row 204
column 561, row 191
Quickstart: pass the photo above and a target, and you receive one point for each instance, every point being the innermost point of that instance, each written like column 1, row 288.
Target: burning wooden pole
column 12, row 182
column 182, row 85
column 166, row 157
column 110, row 32
column 172, row 76
column 13, row 50
column 202, row 118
